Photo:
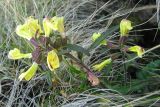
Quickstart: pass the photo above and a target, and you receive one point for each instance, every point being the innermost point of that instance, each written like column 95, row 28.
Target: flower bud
column 58, row 24
column 139, row 50
column 100, row 66
column 52, row 60
column 29, row 29
column 95, row 36
column 29, row 73
column 125, row 27
column 16, row 54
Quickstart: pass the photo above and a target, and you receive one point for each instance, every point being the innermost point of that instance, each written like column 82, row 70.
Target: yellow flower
column 16, row 54
column 100, row 66
column 52, row 60
column 139, row 50
column 29, row 73
column 125, row 27
column 29, row 28
column 95, row 36
column 58, row 24
column 47, row 26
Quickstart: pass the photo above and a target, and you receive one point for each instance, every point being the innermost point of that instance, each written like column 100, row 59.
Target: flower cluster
column 32, row 31
column 125, row 27
column 46, row 51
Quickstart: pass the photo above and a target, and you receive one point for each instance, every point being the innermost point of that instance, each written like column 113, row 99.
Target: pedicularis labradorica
column 46, row 51
column 43, row 50
column 125, row 27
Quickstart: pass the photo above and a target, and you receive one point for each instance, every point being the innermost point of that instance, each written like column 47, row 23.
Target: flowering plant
column 45, row 50
column 125, row 26
column 52, row 53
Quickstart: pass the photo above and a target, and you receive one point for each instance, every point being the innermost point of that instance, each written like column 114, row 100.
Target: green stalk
column 121, row 41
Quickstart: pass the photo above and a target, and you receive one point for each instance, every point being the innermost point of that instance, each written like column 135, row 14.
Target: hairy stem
column 78, row 62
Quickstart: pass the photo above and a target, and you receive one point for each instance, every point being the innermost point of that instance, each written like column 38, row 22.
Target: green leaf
column 83, row 86
column 72, row 69
column 49, row 77
column 77, row 48
column 101, row 38
column 152, row 66
column 78, row 72
column 133, row 86
column 150, row 70
column 63, row 51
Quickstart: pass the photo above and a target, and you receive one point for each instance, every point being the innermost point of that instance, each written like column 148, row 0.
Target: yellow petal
column 125, row 27
column 29, row 73
column 16, row 54
column 95, row 36
column 58, row 24
column 139, row 50
column 47, row 26
column 101, row 65
column 52, row 60
column 29, row 28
